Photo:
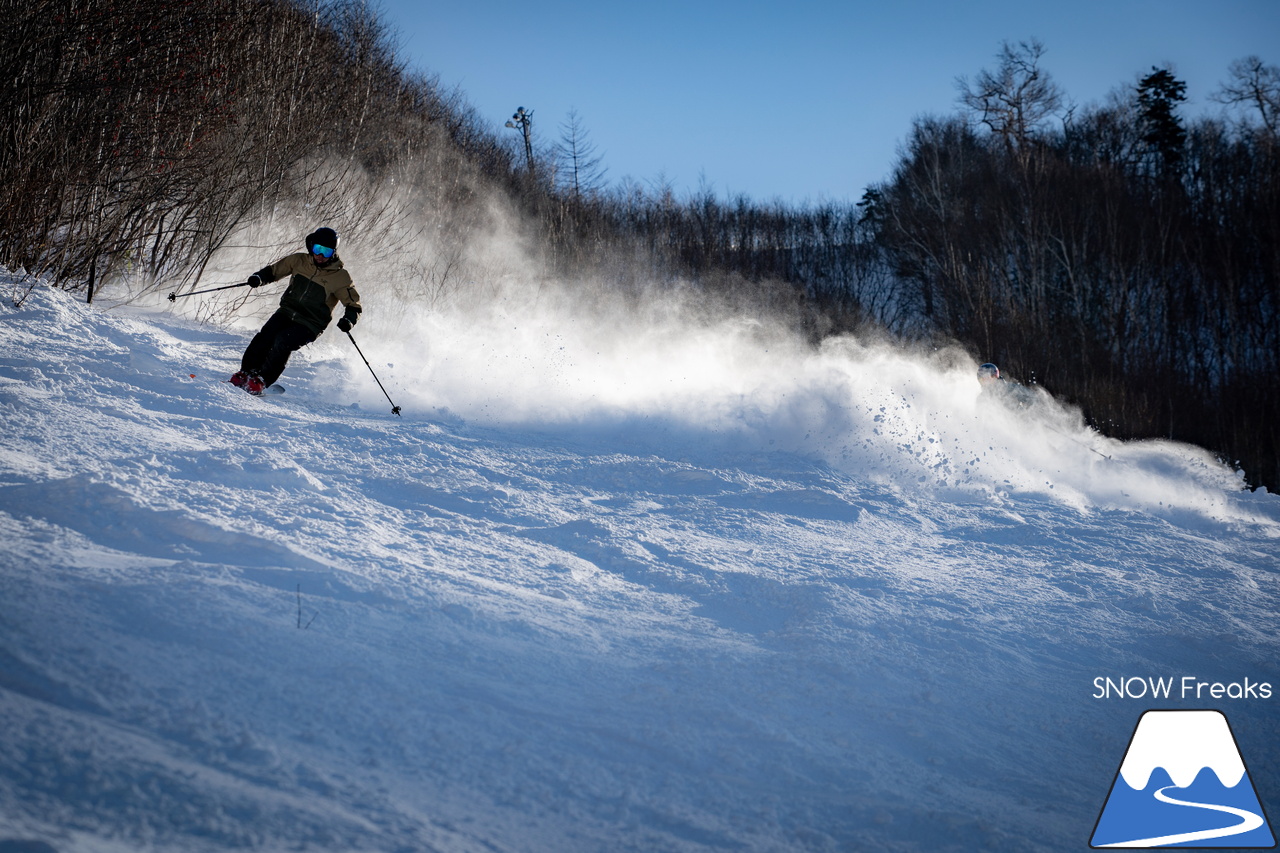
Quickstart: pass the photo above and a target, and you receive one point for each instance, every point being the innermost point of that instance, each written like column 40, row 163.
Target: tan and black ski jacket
column 313, row 291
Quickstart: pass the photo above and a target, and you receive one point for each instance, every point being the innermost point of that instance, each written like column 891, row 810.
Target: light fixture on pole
column 523, row 121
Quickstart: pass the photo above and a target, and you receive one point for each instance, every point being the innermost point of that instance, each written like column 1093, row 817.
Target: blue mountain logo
column 1182, row 783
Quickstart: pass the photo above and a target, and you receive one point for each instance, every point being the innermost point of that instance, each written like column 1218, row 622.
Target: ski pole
column 395, row 410
column 174, row 297
column 1079, row 442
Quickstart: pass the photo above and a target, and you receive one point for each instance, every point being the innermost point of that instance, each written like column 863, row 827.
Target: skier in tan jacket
column 317, row 283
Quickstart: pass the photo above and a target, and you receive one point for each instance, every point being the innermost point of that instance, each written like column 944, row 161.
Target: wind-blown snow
column 651, row 586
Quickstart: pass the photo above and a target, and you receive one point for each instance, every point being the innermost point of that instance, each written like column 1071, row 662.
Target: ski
column 269, row 391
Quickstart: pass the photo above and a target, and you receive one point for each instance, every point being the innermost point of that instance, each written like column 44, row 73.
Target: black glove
column 255, row 280
column 349, row 318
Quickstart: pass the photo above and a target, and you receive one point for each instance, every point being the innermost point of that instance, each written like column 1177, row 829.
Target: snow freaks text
column 1186, row 687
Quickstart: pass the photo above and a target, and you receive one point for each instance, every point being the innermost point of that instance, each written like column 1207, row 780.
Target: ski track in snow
column 626, row 635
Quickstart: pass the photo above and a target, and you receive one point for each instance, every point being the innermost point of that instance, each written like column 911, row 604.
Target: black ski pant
column 269, row 351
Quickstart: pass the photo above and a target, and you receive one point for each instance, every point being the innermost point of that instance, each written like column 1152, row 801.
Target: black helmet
column 325, row 238
column 988, row 371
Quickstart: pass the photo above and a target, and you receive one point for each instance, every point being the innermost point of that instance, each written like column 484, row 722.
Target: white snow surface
column 650, row 586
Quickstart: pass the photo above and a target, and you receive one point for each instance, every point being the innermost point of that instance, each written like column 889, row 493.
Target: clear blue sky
column 800, row 100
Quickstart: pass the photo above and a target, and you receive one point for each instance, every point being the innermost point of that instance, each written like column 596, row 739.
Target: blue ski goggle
column 323, row 251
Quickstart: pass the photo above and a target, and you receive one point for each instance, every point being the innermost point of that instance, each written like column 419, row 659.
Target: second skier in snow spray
column 317, row 283
column 994, row 386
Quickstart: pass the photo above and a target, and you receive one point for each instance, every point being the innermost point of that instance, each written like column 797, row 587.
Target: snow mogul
column 317, row 283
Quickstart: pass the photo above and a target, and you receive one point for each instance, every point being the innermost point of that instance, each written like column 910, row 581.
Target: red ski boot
column 250, row 382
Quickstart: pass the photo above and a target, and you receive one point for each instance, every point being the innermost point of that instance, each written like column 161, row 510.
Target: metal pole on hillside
column 523, row 121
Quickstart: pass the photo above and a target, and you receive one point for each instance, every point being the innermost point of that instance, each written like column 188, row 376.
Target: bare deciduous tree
column 1256, row 84
column 579, row 166
column 1016, row 99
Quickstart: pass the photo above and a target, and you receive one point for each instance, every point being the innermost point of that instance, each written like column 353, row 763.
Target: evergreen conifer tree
column 1159, row 94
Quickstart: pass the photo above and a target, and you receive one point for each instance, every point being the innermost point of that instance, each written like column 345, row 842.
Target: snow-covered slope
column 702, row 592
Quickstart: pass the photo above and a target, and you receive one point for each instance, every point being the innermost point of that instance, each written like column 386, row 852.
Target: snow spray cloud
column 667, row 372
column 461, row 320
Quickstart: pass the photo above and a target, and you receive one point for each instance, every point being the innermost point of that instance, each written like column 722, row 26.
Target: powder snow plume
column 544, row 356
column 503, row 346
